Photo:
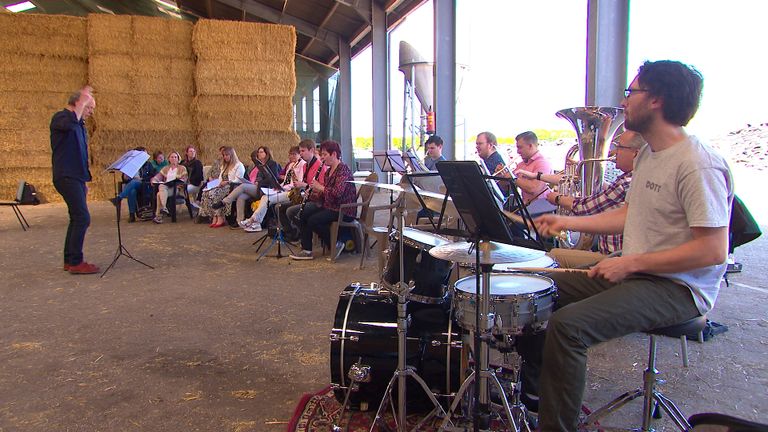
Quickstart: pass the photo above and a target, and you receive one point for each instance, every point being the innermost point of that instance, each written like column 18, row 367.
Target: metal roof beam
column 362, row 7
column 328, row 37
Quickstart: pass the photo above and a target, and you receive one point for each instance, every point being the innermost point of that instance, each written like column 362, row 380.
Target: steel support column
column 445, row 74
column 325, row 111
column 380, row 72
column 607, row 40
column 345, row 103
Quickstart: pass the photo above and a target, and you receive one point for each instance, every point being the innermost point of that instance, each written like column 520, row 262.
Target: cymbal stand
column 403, row 371
column 482, row 375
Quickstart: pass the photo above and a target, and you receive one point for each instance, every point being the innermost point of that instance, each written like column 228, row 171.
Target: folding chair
column 15, row 206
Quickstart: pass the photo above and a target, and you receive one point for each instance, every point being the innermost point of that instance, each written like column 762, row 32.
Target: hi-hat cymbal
column 490, row 253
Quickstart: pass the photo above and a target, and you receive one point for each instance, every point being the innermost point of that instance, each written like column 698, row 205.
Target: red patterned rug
column 318, row 412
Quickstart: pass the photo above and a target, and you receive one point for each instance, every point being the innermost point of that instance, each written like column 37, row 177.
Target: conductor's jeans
column 73, row 191
column 590, row 311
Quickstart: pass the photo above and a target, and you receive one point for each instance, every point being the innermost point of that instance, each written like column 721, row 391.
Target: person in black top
column 195, row 171
column 69, row 145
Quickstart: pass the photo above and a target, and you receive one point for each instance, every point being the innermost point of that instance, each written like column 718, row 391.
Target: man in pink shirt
column 534, row 191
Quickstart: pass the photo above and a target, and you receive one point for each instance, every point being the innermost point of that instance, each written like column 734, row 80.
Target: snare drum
column 518, row 301
column 429, row 274
column 545, row 261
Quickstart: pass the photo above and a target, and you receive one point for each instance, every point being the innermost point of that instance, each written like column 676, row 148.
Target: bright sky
column 527, row 61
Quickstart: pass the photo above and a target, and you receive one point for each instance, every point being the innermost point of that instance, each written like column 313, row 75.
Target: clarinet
column 309, row 191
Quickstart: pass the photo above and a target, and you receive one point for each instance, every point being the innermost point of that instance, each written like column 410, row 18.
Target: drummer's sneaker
column 303, row 255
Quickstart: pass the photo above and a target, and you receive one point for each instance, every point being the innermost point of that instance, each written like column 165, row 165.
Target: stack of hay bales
column 245, row 79
column 141, row 69
column 44, row 59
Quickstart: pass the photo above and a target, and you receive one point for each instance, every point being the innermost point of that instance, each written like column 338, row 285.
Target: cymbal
column 432, row 200
column 387, row 186
column 490, row 253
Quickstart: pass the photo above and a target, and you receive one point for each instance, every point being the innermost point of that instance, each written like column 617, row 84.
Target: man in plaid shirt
column 610, row 197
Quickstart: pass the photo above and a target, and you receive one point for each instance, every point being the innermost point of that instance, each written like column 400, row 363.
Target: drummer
column 675, row 224
column 610, row 197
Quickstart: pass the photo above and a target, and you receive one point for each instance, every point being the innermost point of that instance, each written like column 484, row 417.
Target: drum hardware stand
column 482, row 374
column 403, row 371
column 473, row 198
column 358, row 373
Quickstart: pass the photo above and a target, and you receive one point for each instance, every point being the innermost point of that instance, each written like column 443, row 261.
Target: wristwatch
column 538, row 175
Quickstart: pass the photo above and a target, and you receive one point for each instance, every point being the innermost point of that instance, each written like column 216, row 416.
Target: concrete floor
column 211, row 340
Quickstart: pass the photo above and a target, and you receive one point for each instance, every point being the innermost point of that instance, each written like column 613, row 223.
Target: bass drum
column 365, row 331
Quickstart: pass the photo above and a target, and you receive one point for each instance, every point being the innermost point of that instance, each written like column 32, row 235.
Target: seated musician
column 294, row 169
column 675, row 226
column 172, row 171
column 195, row 171
column 485, row 144
column 610, row 197
column 232, row 170
column 533, row 190
column 258, row 178
column 336, row 191
column 313, row 172
column 133, row 185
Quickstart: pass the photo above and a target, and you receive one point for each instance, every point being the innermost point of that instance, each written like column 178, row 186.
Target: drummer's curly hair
column 677, row 84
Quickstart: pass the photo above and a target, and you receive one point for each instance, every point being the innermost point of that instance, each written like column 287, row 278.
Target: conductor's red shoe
column 83, row 268
column 66, row 267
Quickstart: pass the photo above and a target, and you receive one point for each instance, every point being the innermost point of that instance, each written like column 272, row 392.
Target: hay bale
column 237, row 40
column 217, row 113
column 245, row 77
column 22, row 72
column 163, row 76
column 160, row 37
column 109, row 34
column 29, row 109
column 109, row 73
column 245, row 142
column 49, row 35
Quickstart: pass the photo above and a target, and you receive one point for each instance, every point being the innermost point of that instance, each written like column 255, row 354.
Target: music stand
column 128, row 164
column 278, row 238
column 485, row 222
column 389, row 161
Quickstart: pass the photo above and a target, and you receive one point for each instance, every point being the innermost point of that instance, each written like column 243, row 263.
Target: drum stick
column 513, row 217
column 549, row 270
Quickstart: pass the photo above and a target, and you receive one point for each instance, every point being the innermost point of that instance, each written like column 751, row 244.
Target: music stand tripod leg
column 121, row 250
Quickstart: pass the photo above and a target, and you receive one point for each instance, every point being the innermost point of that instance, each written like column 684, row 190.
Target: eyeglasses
column 629, row 91
column 616, row 146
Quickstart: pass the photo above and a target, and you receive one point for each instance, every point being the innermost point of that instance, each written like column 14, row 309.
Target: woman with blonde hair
column 231, row 171
column 172, row 171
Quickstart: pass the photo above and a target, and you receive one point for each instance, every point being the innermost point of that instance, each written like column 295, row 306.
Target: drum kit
column 415, row 327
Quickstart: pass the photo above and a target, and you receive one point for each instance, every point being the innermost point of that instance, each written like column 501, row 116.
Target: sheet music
column 212, row 184
column 129, row 163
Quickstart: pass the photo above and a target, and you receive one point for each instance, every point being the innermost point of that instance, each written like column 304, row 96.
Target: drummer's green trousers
column 590, row 311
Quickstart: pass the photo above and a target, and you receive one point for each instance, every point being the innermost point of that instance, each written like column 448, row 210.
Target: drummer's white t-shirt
column 686, row 185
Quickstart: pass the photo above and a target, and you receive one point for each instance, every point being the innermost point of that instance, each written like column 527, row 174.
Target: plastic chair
column 364, row 194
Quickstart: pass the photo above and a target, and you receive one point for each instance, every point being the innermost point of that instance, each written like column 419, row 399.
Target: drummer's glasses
column 628, row 91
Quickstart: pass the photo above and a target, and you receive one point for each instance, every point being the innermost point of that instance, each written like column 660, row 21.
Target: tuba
column 595, row 126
